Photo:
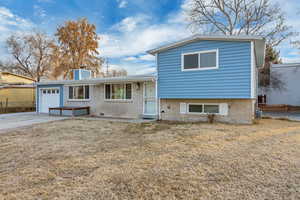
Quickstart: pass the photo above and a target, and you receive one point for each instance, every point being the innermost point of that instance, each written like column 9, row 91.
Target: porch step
column 149, row 116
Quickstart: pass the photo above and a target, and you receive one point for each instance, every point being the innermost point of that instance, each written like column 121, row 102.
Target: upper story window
column 79, row 92
column 201, row 60
column 118, row 91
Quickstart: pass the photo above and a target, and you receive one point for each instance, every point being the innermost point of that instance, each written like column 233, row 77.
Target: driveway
column 17, row 120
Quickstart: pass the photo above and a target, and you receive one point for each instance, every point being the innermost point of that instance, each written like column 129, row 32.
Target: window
column 200, row 60
column 195, row 108
column 79, row 92
column 118, row 91
column 204, row 108
column 191, row 61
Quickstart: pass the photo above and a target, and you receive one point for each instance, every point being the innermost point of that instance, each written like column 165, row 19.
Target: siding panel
column 231, row 80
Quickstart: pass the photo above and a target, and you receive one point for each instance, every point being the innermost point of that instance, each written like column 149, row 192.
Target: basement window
column 204, row 108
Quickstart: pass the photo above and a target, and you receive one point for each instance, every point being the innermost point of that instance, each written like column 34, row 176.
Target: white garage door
column 49, row 98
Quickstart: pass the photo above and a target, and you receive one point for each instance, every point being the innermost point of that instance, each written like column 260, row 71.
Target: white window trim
column 117, row 100
column 83, row 92
column 203, row 113
column 199, row 67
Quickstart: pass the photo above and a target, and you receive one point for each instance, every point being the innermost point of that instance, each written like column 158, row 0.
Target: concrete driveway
column 17, row 120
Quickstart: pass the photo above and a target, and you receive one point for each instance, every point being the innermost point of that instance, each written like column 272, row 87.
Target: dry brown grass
column 88, row 159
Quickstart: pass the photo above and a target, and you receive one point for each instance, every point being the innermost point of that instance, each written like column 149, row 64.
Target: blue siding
column 61, row 94
column 80, row 74
column 85, row 74
column 76, row 74
column 231, row 80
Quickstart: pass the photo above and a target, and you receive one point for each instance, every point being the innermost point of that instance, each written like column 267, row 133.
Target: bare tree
column 31, row 54
column 268, row 79
column 10, row 67
column 245, row 17
column 240, row 17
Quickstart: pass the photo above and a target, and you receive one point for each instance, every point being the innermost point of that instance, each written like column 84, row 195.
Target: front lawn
column 95, row 159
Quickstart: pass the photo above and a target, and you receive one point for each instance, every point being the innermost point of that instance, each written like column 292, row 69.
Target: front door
column 149, row 98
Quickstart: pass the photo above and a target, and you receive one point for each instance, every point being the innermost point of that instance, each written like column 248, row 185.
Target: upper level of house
column 209, row 67
column 8, row 78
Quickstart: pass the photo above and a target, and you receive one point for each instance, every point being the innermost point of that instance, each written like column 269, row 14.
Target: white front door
column 149, row 98
column 49, row 98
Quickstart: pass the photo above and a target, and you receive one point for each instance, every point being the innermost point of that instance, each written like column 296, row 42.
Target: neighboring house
column 16, row 92
column 209, row 75
column 197, row 76
column 290, row 76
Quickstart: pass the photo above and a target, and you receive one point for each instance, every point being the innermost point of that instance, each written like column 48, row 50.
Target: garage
column 49, row 98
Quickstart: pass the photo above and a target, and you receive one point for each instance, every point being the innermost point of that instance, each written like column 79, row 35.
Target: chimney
column 81, row 74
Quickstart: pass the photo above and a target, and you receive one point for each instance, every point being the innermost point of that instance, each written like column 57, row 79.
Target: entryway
column 150, row 110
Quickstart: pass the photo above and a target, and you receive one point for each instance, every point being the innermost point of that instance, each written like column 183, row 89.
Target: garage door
column 49, row 98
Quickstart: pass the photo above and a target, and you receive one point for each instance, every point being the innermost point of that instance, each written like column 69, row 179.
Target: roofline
column 285, row 65
column 204, row 37
column 101, row 80
column 26, row 77
column 16, row 86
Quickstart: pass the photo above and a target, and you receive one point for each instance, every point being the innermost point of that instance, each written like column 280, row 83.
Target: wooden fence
column 7, row 106
column 279, row 108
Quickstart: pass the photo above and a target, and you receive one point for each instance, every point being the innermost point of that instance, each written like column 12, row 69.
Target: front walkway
column 17, row 120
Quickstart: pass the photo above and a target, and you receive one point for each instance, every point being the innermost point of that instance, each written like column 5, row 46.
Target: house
column 17, row 92
column 196, row 76
column 290, row 94
column 204, row 75
column 122, row 97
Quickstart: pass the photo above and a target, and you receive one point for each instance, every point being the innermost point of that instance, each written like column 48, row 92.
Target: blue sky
column 127, row 28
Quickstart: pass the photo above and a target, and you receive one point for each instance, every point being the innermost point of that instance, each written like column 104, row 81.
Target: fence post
column 6, row 105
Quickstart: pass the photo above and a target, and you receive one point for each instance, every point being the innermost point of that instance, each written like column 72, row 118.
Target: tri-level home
column 205, row 75
column 196, row 77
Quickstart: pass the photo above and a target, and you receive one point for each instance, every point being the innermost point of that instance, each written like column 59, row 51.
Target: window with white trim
column 200, row 60
column 204, row 108
column 118, row 91
column 79, row 92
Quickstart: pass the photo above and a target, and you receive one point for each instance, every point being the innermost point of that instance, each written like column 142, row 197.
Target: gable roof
column 259, row 44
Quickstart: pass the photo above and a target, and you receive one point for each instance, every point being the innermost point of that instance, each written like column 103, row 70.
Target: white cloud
column 147, row 57
column 131, row 58
column 39, row 11
column 149, row 70
column 291, row 59
column 11, row 24
column 122, row 3
column 135, row 35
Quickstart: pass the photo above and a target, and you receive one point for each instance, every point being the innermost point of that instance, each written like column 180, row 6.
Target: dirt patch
column 90, row 159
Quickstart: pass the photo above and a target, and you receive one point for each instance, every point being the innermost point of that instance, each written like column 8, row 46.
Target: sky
column 127, row 28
